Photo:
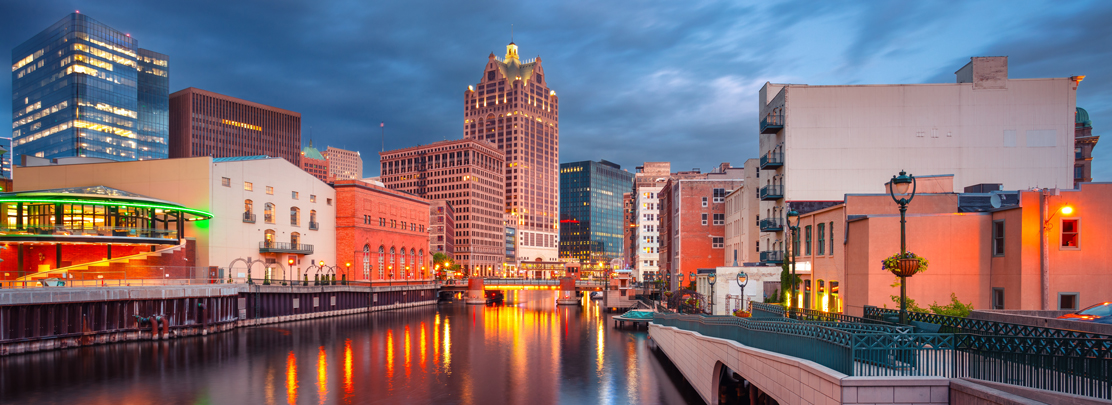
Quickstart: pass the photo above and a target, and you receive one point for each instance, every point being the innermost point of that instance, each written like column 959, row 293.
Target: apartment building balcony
column 772, row 123
column 284, row 247
column 772, row 257
column 772, row 193
column 248, row 218
column 772, row 225
column 772, row 160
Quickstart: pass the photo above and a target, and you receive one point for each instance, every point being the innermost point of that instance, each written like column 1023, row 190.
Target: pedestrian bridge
column 521, row 284
column 813, row 357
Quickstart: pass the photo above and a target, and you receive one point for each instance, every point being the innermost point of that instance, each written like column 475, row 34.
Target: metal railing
column 772, row 224
column 1081, row 366
column 248, row 218
column 772, row 256
column 772, row 192
column 314, row 226
column 772, row 159
column 953, row 324
column 285, row 247
column 126, row 232
column 772, row 123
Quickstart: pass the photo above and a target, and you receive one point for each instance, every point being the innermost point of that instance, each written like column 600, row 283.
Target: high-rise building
column 468, row 174
column 647, row 183
column 82, row 88
column 513, row 108
column 344, row 164
column 442, row 227
column 591, row 211
column 316, row 164
column 203, row 123
column 1083, row 143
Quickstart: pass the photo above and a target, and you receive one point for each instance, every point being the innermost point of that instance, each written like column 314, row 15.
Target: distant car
column 1099, row 313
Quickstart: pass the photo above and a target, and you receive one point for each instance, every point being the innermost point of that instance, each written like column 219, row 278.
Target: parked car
column 1099, row 313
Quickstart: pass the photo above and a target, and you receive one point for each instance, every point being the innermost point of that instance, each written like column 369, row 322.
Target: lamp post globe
column 898, row 189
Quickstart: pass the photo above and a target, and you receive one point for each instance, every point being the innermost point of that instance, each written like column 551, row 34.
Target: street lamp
column 791, row 242
column 710, row 279
column 742, row 280
column 348, row 271
column 900, row 185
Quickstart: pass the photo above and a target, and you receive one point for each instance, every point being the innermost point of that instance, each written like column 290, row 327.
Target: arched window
column 403, row 265
column 295, row 239
column 413, row 261
column 366, row 261
column 248, row 206
column 392, row 262
column 421, row 260
column 295, row 216
column 312, row 218
column 268, row 213
column 381, row 260
column 269, row 238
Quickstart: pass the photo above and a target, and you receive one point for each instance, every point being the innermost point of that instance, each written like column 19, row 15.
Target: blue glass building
column 82, row 88
column 591, row 210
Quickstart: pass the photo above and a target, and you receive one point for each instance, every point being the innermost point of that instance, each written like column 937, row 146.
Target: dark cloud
column 638, row 81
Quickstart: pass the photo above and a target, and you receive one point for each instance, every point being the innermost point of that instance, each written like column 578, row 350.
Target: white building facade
column 647, row 257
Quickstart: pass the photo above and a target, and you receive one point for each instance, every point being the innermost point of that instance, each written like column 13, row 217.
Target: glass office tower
column 82, row 88
column 591, row 209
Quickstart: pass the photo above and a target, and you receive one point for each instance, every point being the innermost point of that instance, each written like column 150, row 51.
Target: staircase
column 172, row 254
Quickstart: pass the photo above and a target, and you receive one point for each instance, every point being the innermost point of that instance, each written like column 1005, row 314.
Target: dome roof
column 1082, row 118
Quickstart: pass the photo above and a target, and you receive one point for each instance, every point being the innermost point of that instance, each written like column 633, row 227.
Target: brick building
column 203, row 123
column 316, row 164
column 381, row 232
column 442, row 227
column 468, row 174
column 513, row 108
column 1083, row 141
column 693, row 220
column 629, row 231
column 344, row 164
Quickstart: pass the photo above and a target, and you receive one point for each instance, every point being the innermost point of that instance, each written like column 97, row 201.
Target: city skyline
column 685, row 64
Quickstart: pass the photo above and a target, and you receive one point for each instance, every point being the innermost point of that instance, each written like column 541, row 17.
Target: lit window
column 312, row 198
column 247, row 186
column 270, row 190
column 1070, row 233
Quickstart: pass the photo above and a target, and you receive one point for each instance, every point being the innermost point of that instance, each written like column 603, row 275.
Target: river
column 529, row 351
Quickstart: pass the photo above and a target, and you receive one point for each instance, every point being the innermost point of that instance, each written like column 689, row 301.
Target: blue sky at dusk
column 638, row 80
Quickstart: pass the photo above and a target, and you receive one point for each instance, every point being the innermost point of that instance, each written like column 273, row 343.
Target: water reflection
column 528, row 352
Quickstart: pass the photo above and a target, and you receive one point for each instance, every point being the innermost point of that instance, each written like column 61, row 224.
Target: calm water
column 527, row 352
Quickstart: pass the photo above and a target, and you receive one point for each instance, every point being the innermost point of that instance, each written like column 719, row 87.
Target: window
column 719, row 195
column 226, row 182
column 312, row 198
column 704, row 203
column 704, row 215
column 294, row 195
column 393, row 223
column 1067, row 301
column 268, row 237
column 831, row 238
column 270, row 190
column 821, row 247
column 268, row 213
column 382, row 222
column 719, row 219
column 313, row 218
column 329, row 201
column 381, row 259
column 807, row 246
column 247, row 186
column 1070, row 233
column 248, row 211
column 716, row 242
column 295, row 239
column 998, row 238
column 997, row 298
column 295, row 216
column 366, row 262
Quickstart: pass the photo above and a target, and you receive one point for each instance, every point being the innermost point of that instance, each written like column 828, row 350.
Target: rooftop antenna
column 511, row 33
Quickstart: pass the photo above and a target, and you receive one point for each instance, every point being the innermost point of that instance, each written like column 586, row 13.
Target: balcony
column 283, row 247
column 772, row 256
column 314, row 226
column 772, row 160
column 248, row 218
column 772, row 225
column 772, row 124
column 772, row 193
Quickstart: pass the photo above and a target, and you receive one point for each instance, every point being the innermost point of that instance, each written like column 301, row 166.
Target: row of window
column 821, row 246
column 249, row 186
column 269, row 217
column 1070, row 235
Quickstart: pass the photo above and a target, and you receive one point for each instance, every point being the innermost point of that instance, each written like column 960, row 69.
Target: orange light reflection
column 291, row 378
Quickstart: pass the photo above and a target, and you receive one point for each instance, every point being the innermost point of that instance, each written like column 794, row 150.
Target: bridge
column 812, row 357
column 520, row 284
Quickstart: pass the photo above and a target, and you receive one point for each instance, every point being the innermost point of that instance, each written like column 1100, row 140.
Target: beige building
column 264, row 209
column 344, row 164
column 513, row 108
column 819, row 143
column 647, row 183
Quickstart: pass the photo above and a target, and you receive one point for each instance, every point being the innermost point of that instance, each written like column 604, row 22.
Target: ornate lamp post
column 899, row 185
column 710, row 279
column 791, row 242
column 742, row 280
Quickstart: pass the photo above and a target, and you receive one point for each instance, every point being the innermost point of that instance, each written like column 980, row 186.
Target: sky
column 638, row 80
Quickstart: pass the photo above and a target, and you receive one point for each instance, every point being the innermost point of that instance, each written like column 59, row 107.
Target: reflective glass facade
column 81, row 88
column 591, row 210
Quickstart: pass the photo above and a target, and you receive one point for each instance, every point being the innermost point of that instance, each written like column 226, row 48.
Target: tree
column 786, row 281
column 444, row 265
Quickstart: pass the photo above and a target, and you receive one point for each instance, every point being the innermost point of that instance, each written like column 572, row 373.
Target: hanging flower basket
column 905, row 265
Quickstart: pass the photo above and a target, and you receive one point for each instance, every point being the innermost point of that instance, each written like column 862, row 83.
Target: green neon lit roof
column 99, row 195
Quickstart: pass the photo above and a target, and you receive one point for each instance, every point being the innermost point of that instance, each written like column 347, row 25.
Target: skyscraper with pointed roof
column 513, row 107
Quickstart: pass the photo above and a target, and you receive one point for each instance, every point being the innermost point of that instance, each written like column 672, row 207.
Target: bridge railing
column 956, row 324
column 1074, row 365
